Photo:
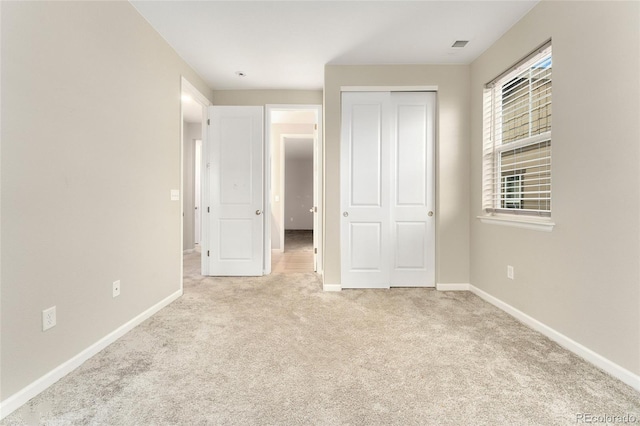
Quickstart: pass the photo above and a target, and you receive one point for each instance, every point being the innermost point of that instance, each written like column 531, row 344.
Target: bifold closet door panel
column 364, row 171
column 412, row 189
column 387, row 189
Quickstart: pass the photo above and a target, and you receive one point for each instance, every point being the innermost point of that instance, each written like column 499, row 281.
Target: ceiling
column 286, row 44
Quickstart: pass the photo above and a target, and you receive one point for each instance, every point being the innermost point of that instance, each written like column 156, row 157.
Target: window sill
column 519, row 222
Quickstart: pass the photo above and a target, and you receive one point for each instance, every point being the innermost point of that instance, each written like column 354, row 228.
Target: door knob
column 345, row 214
column 430, row 214
column 311, row 209
column 258, row 212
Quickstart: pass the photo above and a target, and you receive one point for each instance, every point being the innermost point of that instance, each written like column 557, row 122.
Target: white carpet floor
column 277, row 350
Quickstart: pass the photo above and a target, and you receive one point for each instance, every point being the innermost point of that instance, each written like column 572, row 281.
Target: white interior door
column 387, row 189
column 197, row 191
column 316, row 190
column 364, row 171
column 236, row 191
column 412, row 189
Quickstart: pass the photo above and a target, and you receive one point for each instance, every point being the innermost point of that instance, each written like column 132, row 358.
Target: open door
column 235, row 212
column 198, row 193
column 316, row 199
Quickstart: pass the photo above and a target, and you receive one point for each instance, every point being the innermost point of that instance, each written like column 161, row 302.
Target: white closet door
column 364, row 171
column 412, row 189
column 236, row 219
column 387, row 189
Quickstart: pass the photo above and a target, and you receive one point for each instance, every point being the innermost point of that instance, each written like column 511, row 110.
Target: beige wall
column 452, row 158
column 90, row 152
column 582, row 279
column 298, row 193
column 264, row 97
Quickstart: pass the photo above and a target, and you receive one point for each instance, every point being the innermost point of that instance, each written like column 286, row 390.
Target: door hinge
column 315, row 126
column 208, row 211
column 208, row 122
column 315, row 250
column 207, row 253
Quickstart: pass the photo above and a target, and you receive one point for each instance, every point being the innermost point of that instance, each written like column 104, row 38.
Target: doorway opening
column 296, row 173
column 193, row 119
column 294, row 188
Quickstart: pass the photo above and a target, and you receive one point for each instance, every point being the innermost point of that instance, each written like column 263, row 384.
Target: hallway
column 298, row 253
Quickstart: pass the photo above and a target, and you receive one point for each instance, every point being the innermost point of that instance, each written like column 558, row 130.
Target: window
column 517, row 138
column 512, row 187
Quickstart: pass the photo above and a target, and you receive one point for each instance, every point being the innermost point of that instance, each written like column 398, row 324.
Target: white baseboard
column 594, row 358
column 21, row 397
column 453, row 286
column 332, row 287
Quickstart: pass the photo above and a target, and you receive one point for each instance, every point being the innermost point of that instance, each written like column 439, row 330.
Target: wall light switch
column 175, row 194
column 510, row 272
column 116, row 288
column 277, row 198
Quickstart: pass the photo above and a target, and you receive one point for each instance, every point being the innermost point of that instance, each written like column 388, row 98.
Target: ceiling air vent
column 460, row 43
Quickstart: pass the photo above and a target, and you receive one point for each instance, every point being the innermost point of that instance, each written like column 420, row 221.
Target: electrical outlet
column 48, row 318
column 510, row 272
column 116, row 288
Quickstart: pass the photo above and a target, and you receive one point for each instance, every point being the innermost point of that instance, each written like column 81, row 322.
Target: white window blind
column 517, row 138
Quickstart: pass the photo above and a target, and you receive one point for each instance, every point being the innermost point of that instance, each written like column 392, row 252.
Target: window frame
column 494, row 196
